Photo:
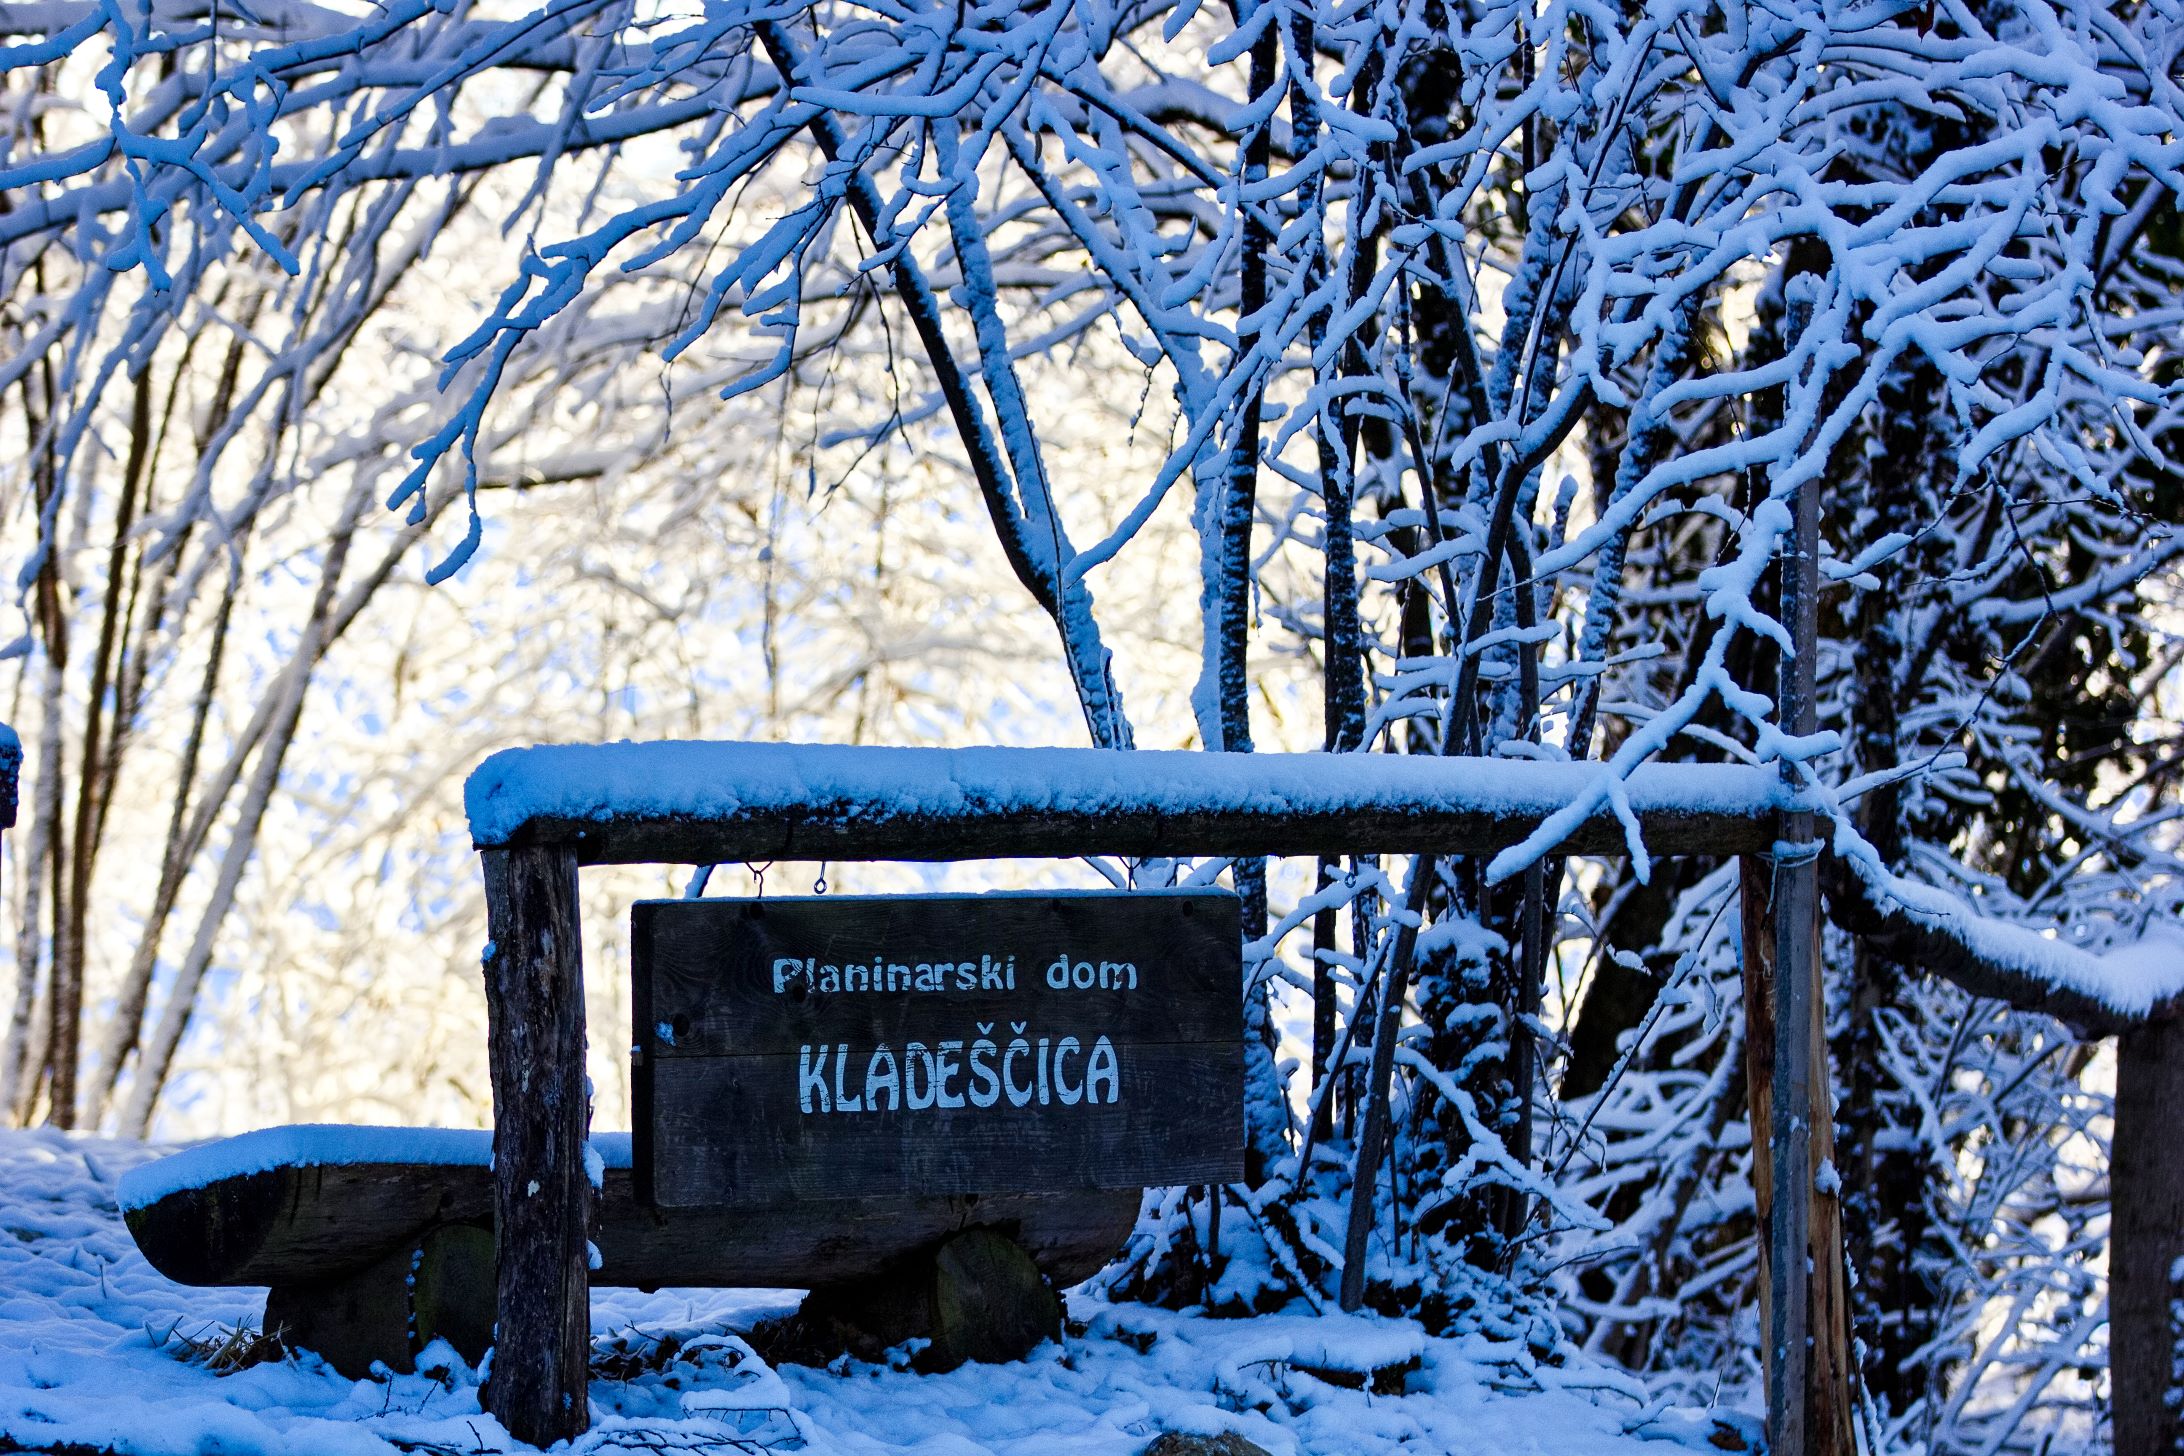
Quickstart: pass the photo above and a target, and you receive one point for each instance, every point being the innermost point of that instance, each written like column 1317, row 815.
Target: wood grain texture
column 2146, row 1242
column 1821, row 1371
column 798, row 801
column 728, row 1132
column 310, row 1225
column 11, row 773
column 351, row 1320
column 534, row 982
column 738, row 1004
column 706, row 987
column 437, row 1285
column 452, row 1289
column 296, row 1225
column 849, row 831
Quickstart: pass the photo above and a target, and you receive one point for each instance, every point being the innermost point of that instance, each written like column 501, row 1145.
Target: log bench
column 374, row 1241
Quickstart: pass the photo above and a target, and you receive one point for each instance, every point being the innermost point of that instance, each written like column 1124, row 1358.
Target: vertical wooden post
column 1822, row 1344
column 534, row 996
column 2146, row 1240
column 11, row 772
column 1804, row 1313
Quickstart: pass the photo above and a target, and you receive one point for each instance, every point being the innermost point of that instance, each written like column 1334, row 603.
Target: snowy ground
column 96, row 1356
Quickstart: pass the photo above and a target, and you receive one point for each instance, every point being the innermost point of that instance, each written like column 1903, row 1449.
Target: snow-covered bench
column 377, row 1240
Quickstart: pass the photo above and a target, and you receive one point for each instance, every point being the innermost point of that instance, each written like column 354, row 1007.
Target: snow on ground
column 95, row 1356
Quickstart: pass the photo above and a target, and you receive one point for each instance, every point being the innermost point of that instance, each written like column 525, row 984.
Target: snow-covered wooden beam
column 300, row 1205
column 704, row 803
column 2134, row 990
column 2098, row 992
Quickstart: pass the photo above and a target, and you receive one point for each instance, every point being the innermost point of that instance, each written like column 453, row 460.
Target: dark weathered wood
column 776, row 1063
column 1824, row 1415
column 453, row 1290
column 2146, row 1239
column 1804, row 1314
column 730, row 1134
column 352, row 1320
column 295, row 1225
column 974, row 1295
column 541, row 1115
column 989, row 1302
column 847, row 831
column 1126, row 803
column 1071, row 1236
column 310, row 1225
column 437, row 1285
column 705, row 968
column 11, row 774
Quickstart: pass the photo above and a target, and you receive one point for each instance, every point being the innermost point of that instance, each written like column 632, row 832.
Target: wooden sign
column 844, row 1047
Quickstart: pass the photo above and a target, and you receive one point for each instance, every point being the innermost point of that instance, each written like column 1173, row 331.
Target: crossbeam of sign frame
column 845, row 1047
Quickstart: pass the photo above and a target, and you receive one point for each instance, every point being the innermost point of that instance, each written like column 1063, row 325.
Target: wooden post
column 11, row 773
column 2146, row 1239
column 1819, row 1303
column 1804, row 1314
column 534, row 996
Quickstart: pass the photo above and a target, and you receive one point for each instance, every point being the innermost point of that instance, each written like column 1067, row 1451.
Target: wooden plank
column 2146, row 1240
column 1071, row 1236
column 534, row 997
column 728, row 1130
column 901, row 968
column 301, row 1225
column 1072, row 1042
column 765, row 802
column 312, row 1225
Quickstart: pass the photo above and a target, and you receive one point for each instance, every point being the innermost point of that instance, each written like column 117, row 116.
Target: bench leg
column 976, row 1296
column 451, row 1290
column 439, row 1286
column 534, row 996
column 352, row 1321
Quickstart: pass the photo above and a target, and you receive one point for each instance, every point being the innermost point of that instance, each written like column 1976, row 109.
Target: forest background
column 384, row 386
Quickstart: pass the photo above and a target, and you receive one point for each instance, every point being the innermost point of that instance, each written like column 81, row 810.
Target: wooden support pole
column 534, row 996
column 1804, row 1310
column 2146, row 1240
column 1804, row 1323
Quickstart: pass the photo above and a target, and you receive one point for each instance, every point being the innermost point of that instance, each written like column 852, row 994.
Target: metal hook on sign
column 819, row 886
column 758, row 873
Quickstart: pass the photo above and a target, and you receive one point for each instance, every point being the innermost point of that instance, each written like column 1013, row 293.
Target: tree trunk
column 126, row 1029
column 534, row 996
column 22, row 1053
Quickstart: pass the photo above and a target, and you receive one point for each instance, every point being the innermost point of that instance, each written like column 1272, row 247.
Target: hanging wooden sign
column 841, row 1047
